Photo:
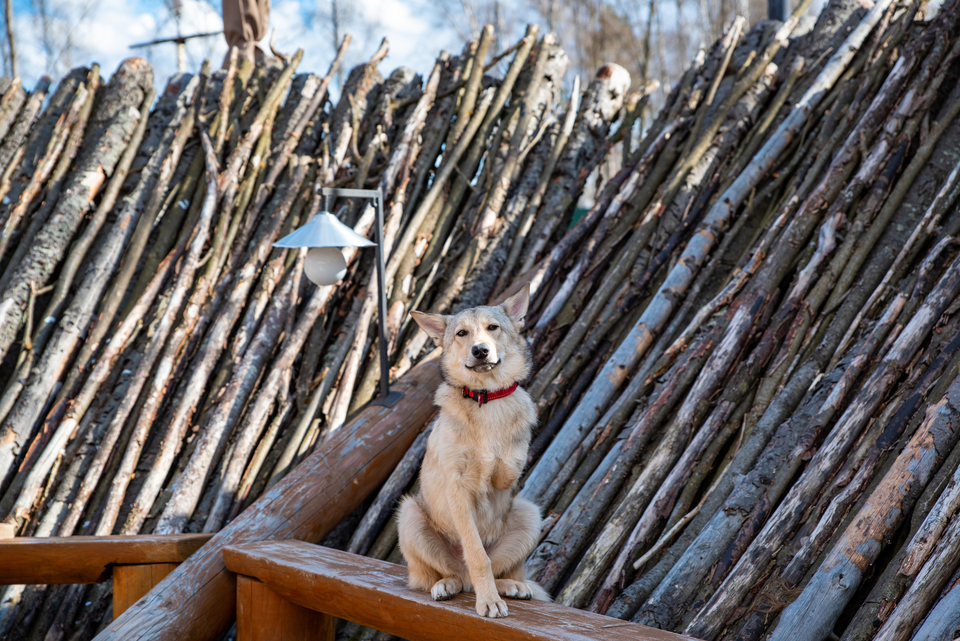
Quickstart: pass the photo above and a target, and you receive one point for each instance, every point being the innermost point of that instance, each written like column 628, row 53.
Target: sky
column 87, row 31
column 102, row 31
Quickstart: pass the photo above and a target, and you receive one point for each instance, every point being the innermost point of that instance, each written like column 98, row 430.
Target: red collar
column 483, row 396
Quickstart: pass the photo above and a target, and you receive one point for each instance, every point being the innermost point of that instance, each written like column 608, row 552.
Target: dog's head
column 482, row 346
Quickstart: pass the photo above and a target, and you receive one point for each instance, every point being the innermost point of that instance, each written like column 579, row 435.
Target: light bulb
column 325, row 265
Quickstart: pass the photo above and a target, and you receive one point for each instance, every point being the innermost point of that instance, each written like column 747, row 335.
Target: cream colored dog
column 466, row 529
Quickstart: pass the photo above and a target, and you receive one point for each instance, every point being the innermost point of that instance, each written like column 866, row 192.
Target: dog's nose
column 480, row 351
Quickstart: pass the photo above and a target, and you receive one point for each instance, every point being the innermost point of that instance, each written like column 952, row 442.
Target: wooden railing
column 291, row 591
column 135, row 563
column 196, row 602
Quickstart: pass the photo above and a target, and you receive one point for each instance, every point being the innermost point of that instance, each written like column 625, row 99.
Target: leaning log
column 110, row 130
column 843, row 570
column 196, row 601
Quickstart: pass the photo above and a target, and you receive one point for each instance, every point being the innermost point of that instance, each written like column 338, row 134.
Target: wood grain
column 198, row 600
column 87, row 559
column 375, row 594
column 130, row 582
column 264, row 615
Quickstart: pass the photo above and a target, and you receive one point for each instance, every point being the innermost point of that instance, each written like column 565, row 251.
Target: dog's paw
column 446, row 588
column 491, row 607
column 514, row 589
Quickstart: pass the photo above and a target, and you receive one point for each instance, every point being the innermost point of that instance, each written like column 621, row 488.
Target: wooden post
column 264, row 615
column 130, row 582
column 197, row 601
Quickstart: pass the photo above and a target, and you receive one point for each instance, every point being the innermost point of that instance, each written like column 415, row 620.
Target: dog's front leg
column 489, row 603
column 505, row 475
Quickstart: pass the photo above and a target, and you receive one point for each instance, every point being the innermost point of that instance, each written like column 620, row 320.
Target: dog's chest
column 486, row 457
column 484, row 445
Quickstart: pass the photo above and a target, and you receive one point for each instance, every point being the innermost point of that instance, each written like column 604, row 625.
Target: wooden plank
column 197, row 602
column 264, row 615
column 87, row 559
column 130, row 582
column 375, row 594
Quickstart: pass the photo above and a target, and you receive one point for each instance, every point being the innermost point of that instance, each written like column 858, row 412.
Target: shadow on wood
column 264, row 615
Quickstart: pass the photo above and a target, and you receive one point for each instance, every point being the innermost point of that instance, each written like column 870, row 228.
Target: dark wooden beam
column 778, row 10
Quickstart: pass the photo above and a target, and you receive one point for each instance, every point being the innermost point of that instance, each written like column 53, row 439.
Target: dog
column 466, row 530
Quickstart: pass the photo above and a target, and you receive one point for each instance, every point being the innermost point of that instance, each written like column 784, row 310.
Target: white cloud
column 101, row 31
column 414, row 42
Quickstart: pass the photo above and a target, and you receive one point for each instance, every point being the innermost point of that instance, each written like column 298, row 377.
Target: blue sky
column 102, row 31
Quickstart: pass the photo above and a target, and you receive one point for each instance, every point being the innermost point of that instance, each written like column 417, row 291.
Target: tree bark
column 109, row 131
column 842, row 570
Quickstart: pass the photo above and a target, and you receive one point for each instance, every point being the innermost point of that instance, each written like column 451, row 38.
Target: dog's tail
column 539, row 594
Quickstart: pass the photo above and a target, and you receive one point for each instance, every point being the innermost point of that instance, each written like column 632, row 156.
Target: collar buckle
column 481, row 396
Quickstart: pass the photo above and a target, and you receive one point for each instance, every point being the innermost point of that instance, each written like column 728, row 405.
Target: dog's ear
column 516, row 306
column 433, row 324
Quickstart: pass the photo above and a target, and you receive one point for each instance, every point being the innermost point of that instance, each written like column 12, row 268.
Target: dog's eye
column 493, row 327
column 462, row 332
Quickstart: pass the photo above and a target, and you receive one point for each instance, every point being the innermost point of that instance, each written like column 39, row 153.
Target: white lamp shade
column 325, row 265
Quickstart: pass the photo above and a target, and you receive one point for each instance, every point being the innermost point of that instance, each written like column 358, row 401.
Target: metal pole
column 381, row 285
column 778, row 10
column 386, row 397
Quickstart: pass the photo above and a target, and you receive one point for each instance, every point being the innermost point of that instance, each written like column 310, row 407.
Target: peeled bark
column 21, row 128
column 598, row 109
column 346, row 118
column 88, row 291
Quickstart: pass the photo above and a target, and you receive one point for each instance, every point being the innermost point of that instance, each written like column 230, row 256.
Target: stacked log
column 746, row 341
column 747, row 348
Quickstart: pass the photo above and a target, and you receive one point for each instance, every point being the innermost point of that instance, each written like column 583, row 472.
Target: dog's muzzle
column 482, row 366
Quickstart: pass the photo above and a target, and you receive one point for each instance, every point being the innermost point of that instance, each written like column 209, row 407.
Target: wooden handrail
column 375, row 594
column 87, row 559
column 197, row 601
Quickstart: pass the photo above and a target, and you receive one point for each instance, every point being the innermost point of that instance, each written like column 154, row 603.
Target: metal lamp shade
column 323, row 231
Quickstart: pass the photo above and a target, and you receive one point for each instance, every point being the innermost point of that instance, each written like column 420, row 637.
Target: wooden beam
column 197, row 601
column 87, row 559
column 375, row 594
column 264, row 615
column 130, row 582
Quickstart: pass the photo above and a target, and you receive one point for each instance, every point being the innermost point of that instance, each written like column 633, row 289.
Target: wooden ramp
column 290, row 591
